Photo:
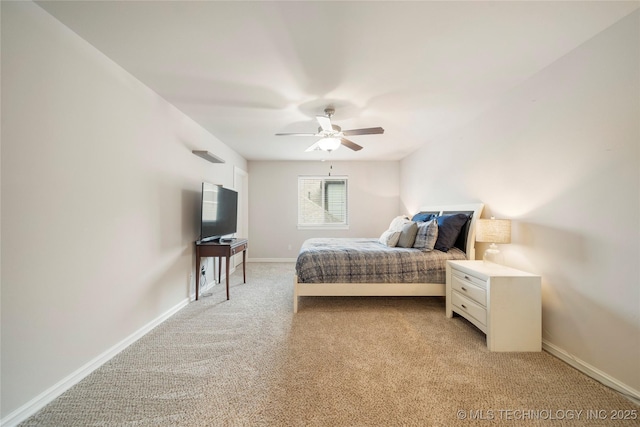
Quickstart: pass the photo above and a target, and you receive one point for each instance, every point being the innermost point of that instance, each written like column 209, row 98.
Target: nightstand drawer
column 469, row 307
column 468, row 286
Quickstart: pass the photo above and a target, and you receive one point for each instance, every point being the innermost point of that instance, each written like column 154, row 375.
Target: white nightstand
column 502, row 302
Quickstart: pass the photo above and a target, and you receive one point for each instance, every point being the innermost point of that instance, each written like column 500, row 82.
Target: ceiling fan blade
column 365, row 131
column 296, row 134
column 350, row 144
column 314, row 147
column 325, row 123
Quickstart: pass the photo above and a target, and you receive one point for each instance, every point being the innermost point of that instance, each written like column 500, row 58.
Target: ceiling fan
column 332, row 136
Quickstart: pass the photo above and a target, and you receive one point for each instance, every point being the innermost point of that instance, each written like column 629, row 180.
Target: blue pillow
column 423, row 217
column 449, row 227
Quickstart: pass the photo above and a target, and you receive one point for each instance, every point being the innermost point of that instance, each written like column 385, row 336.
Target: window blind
column 322, row 201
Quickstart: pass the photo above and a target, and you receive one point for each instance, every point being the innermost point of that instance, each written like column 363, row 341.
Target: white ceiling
column 248, row 70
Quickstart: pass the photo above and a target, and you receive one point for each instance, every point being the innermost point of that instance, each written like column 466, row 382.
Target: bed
column 365, row 267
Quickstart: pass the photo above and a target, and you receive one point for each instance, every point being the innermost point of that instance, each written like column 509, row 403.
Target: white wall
column 100, row 199
column 560, row 156
column 372, row 202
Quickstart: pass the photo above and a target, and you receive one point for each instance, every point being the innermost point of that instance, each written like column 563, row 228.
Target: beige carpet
column 338, row 362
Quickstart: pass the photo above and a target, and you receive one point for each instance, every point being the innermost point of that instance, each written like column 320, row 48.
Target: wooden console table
column 225, row 249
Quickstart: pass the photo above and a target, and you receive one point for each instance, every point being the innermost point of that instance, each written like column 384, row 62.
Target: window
column 322, row 202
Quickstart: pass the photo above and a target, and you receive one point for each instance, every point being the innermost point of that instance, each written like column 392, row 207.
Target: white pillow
column 390, row 238
column 398, row 222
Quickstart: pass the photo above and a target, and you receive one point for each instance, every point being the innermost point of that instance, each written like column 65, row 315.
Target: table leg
column 219, row 269
column 244, row 265
column 227, row 272
column 197, row 273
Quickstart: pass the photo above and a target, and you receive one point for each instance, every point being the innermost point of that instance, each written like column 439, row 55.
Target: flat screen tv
column 218, row 213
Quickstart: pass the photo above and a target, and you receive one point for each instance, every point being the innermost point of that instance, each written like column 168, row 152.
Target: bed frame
column 393, row 289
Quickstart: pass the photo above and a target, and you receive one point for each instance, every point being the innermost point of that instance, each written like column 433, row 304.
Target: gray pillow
column 427, row 235
column 407, row 235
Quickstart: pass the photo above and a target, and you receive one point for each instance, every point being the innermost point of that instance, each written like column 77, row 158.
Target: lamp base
column 493, row 255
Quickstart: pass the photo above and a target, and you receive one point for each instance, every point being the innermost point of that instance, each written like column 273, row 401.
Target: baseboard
column 593, row 372
column 46, row 397
column 271, row 259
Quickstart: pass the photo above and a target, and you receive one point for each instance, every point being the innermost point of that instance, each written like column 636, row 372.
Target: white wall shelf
column 208, row 156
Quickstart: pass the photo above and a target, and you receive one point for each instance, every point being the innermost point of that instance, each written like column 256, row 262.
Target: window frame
column 324, row 226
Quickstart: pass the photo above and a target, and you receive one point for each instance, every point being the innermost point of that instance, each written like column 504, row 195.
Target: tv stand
column 221, row 249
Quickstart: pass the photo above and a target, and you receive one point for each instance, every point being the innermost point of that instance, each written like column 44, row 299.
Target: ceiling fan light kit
column 332, row 136
column 329, row 144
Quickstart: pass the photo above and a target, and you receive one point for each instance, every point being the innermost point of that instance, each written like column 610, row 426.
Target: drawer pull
column 463, row 306
column 463, row 288
column 466, row 277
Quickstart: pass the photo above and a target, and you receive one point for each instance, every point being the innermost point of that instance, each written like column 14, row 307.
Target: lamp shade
column 493, row 230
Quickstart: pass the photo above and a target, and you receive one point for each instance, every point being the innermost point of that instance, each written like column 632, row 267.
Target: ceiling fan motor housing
column 336, row 128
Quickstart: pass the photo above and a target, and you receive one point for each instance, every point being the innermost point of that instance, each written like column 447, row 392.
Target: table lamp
column 493, row 231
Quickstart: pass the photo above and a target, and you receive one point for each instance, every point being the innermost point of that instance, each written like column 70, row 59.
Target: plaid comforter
column 335, row 260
